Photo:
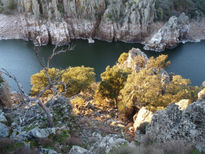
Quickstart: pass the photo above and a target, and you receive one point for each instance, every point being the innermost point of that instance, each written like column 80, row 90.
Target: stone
column 201, row 94
column 107, row 143
column 39, row 133
column 144, row 116
column 79, row 150
column 183, row 104
column 4, row 130
column 47, row 151
column 203, row 84
column 130, row 60
column 2, row 117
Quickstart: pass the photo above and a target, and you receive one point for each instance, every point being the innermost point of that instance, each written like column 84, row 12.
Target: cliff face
column 58, row 21
column 108, row 20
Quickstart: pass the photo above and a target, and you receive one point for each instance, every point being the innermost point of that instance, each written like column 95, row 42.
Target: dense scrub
column 143, row 83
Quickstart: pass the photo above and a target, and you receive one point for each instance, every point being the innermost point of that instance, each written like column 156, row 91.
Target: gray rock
column 4, row 130
column 2, row 117
column 107, row 143
column 47, row 151
column 175, row 124
column 79, row 150
column 39, row 133
column 170, row 34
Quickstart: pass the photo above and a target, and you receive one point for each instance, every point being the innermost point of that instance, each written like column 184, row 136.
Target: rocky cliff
column 59, row 21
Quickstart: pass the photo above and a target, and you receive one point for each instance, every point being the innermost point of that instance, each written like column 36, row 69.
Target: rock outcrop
column 170, row 35
column 143, row 117
column 175, row 124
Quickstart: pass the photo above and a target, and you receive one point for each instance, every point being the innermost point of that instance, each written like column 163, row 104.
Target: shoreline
column 44, row 32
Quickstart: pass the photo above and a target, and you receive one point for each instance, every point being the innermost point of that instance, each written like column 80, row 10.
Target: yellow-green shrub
column 77, row 79
column 74, row 79
column 145, row 88
column 39, row 80
column 123, row 57
column 113, row 80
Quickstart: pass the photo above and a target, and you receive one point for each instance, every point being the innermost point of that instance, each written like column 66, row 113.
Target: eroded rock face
column 116, row 20
column 170, row 34
column 175, row 124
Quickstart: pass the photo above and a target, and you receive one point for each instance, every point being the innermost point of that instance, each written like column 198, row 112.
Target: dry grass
column 174, row 147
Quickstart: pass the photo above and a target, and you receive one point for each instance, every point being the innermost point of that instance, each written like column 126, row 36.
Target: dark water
column 18, row 57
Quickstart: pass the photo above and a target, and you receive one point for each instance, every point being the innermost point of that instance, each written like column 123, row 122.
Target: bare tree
column 52, row 83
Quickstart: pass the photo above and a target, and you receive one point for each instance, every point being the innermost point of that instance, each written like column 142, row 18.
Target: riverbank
column 161, row 36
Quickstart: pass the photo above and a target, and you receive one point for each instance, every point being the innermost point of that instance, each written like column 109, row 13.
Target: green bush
column 146, row 88
column 75, row 79
column 113, row 80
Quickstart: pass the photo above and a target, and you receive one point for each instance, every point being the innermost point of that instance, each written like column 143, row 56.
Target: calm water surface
column 18, row 58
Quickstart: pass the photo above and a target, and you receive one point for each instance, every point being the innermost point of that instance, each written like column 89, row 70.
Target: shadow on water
column 18, row 57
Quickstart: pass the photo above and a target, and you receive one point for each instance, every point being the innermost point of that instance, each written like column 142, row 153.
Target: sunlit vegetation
column 74, row 79
column 144, row 83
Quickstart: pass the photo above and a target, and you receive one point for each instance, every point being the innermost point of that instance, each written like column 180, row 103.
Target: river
column 17, row 57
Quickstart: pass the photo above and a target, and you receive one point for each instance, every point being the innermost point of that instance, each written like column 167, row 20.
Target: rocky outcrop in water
column 170, row 35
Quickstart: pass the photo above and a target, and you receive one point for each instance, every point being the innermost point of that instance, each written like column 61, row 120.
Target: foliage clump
column 73, row 79
column 123, row 57
column 113, row 80
column 147, row 87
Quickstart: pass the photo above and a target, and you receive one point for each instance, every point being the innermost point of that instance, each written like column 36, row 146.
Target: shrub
column 39, row 80
column 113, row 80
column 75, row 79
column 123, row 57
column 146, row 88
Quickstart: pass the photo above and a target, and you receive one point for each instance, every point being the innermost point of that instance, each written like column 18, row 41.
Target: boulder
column 39, row 133
column 4, row 130
column 107, row 143
column 2, row 117
column 183, row 104
column 201, row 94
column 144, row 116
column 79, row 150
column 47, row 151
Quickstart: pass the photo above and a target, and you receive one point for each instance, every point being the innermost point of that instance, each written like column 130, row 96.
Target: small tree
column 73, row 80
column 77, row 79
column 113, row 80
column 40, row 80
